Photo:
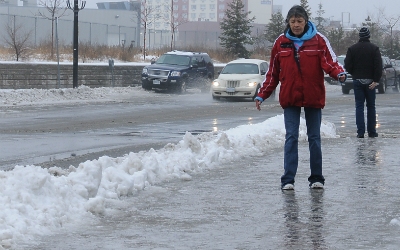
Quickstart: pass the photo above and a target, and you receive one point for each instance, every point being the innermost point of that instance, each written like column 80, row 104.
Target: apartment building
column 204, row 11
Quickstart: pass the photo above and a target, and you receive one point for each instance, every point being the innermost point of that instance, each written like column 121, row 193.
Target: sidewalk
column 241, row 206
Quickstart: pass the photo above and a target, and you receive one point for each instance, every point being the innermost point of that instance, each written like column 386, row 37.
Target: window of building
column 202, row 7
column 212, row 6
column 193, row 7
column 193, row 16
column 211, row 16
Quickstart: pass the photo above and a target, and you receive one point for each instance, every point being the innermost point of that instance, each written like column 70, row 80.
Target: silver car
column 240, row 78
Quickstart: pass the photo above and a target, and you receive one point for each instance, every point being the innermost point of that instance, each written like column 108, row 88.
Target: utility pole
column 75, row 9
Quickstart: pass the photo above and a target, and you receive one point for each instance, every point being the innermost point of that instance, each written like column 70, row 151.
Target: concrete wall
column 44, row 76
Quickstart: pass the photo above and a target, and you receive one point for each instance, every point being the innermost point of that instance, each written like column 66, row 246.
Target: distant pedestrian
column 298, row 58
column 364, row 62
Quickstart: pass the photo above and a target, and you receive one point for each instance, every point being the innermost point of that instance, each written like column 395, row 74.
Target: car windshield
column 240, row 68
column 174, row 59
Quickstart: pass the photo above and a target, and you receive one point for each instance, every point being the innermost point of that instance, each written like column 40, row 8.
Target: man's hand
column 373, row 85
column 258, row 105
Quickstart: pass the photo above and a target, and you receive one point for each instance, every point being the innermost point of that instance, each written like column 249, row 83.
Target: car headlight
column 215, row 83
column 144, row 71
column 175, row 73
column 252, row 84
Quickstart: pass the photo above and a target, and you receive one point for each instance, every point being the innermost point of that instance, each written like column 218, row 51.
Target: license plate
column 156, row 81
column 230, row 90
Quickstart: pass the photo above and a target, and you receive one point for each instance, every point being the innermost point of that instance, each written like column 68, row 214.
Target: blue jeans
column 313, row 118
column 363, row 94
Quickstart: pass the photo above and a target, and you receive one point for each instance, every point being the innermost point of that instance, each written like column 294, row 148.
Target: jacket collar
column 310, row 33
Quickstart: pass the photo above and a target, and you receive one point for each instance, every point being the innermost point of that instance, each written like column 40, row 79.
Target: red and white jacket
column 302, row 80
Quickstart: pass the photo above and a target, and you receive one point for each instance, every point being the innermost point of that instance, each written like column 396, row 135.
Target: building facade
column 196, row 22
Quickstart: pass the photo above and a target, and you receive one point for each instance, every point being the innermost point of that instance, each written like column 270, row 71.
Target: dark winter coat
column 302, row 83
column 363, row 61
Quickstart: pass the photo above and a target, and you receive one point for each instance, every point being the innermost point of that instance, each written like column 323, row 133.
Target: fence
column 39, row 29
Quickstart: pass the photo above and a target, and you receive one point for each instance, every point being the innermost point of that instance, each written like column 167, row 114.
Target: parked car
column 396, row 66
column 388, row 77
column 178, row 70
column 240, row 78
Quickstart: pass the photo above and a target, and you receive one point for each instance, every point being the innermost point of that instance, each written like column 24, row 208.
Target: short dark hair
column 297, row 11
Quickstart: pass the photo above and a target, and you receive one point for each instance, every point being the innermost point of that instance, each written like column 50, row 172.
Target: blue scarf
column 298, row 41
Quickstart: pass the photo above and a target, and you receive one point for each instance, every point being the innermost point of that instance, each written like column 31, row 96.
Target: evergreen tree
column 350, row 38
column 320, row 19
column 375, row 31
column 275, row 27
column 335, row 38
column 304, row 4
column 236, row 30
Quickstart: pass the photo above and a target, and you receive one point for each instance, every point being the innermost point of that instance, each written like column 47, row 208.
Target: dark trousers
column 313, row 118
column 363, row 94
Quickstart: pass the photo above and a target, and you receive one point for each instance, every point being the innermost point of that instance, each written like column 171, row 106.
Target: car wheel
column 397, row 85
column 206, row 87
column 182, row 87
column 345, row 91
column 146, row 87
column 382, row 87
column 216, row 98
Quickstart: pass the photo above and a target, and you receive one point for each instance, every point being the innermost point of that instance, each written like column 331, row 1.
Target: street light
column 75, row 9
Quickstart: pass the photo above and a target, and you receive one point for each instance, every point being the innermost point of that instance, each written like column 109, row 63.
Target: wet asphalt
column 239, row 205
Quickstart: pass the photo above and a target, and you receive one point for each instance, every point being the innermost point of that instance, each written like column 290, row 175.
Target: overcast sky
column 358, row 9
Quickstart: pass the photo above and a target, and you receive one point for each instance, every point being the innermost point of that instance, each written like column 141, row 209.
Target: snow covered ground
column 36, row 201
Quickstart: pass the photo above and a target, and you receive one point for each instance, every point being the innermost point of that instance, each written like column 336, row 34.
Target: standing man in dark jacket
column 363, row 60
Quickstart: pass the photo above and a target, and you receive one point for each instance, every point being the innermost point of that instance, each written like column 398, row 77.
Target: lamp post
column 75, row 9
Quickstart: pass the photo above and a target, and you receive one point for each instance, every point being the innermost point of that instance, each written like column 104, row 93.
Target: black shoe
column 373, row 135
column 360, row 136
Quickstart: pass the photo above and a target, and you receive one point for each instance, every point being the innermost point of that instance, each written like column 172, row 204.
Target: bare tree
column 174, row 22
column 54, row 9
column 148, row 14
column 17, row 38
column 388, row 24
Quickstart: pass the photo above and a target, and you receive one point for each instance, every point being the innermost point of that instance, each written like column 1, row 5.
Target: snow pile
column 9, row 97
column 38, row 201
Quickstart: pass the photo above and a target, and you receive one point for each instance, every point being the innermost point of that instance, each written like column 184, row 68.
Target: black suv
column 178, row 70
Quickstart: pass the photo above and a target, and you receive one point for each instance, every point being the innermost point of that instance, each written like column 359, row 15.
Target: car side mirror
column 263, row 72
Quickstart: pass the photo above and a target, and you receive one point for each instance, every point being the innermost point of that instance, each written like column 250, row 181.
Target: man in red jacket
column 298, row 58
